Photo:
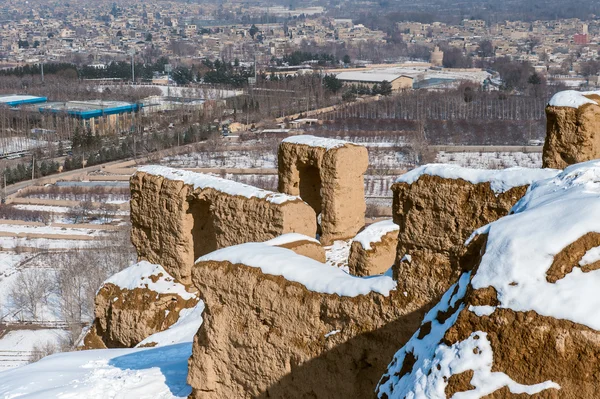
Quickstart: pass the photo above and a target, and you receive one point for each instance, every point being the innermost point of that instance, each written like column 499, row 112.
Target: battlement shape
column 178, row 216
column 328, row 175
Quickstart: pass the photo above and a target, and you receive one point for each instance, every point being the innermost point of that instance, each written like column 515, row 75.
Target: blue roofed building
column 15, row 100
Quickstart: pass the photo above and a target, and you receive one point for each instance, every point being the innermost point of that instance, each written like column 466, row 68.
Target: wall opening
column 203, row 229
column 309, row 186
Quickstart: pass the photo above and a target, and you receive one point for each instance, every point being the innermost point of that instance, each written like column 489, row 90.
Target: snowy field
column 17, row 144
column 244, row 159
column 19, row 229
column 491, row 160
column 17, row 346
column 145, row 373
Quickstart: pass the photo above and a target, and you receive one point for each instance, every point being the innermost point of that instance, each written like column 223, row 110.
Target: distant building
column 14, row 100
column 437, row 57
column 580, row 39
column 103, row 117
column 371, row 78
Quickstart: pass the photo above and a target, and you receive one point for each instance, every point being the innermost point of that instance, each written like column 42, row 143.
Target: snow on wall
column 202, row 181
column 521, row 248
column 183, row 330
column 375, row 232
column 315, row 276
column 572, row 98
column 435, row 362
column 147, row 275
column 289, row 238
column 500, row 180
column 314, row 141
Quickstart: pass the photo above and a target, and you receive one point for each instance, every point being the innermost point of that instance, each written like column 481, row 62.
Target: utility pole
column 32, row 166
column 132, row 66
column 4, row 188
column 42, row 66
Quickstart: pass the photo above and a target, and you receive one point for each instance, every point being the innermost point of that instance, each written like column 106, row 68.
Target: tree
column 148, row 37
column 182, row 75
column 253, row 30
column 385, row 89
column 486, row 49
column 346, row 59
column 454, row 58
column 332, row 83
column 30, row 291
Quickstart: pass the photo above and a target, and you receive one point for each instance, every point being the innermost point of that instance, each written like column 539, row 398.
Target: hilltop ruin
column 278, row 322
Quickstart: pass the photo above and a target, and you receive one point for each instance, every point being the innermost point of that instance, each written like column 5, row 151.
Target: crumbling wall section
column 572, row 130
column 436, row 216
column 328, row 175
column 373, row 250
column 174, row 222
column 265, row 336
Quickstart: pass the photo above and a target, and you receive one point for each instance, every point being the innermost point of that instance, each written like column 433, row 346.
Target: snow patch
column 500, row 180
column 483, row 310
column 591, row 256
column 315, row 276
column 289, row 238
column 183, row 330
column 203, row 181
column 140, row 275
column 314, row 141
column 146, row 373
column 435, row 362
column 521, row 248
column 375, row 232
column 572, row 98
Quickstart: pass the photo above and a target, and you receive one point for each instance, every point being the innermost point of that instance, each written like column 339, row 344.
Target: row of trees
column 22, row 172
column 68, row 288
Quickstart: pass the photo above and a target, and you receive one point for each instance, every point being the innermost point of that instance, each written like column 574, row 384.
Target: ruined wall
column 266, row 337
column 373, row 251
column 572, row 135
column 174, row 223
column 127, row 313
column 528, row 347
column 328, row 175
column 436, row 216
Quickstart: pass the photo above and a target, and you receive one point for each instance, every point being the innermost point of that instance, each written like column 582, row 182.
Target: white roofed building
column 398, row 81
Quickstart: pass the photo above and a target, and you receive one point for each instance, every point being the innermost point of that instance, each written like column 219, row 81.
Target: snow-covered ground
column 491, row 160
column 225, row 159
column 17, row 229
column 337, row 254
column 17, row 144
column 17, row 346
column 145, row 373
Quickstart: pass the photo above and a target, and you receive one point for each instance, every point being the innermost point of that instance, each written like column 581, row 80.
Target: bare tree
column 30, row 291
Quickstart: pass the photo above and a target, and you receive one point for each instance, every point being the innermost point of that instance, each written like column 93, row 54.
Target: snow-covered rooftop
column 500, row 180
column 368, row 76
column 314, row 275
column 573, row 98
column 203, row 181
column 375, row 232
column 314, row 141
